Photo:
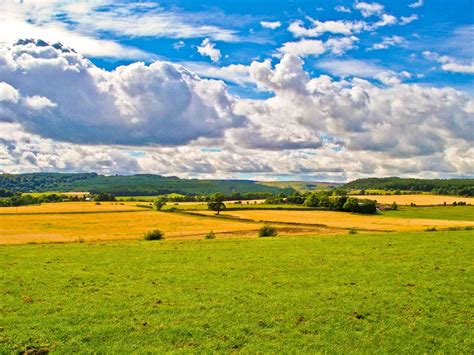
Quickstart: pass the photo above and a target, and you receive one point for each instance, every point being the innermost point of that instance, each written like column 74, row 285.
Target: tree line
column 455, row 187
column 333, row 200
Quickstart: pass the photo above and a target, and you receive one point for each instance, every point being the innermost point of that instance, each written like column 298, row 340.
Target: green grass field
column 455, row 213
column 385, row 293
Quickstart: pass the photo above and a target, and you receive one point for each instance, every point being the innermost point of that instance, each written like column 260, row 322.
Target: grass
column 454, row 213
column 389, row 293
column 420, row 200
column 346, row 220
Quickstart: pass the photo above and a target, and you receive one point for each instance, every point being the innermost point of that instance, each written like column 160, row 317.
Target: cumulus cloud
column 303, row 48
column 318, row 28
column 400, row 120
column 137, row 104
column 341, row 8
column 369, row 9
column 270, row 24
column 362, row 69
column 178, row 45
column 450, row 64
column 8, row 93
column 308, row 127
column 235, row 73
column 207, row 48
column 418, row 3
column 339, row 46
column 388, row 41
column 405, row 20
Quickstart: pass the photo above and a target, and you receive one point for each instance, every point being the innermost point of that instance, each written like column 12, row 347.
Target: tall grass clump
column 154, row 235
column 210, row 235
column 267, row 231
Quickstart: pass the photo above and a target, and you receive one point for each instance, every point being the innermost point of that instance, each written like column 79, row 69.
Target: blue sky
column 444, row 29
column 313, row 90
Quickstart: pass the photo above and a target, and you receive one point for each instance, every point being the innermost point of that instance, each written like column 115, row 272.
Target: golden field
column 419, row 200
column 72, row 227
column 87, row 221
column 345, row 220
column 73, row 207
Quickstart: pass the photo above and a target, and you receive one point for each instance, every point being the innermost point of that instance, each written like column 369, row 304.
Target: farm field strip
column 345, row 220
column 453, row 213
column 38, row 228
column 420, row 200
column 77, row 207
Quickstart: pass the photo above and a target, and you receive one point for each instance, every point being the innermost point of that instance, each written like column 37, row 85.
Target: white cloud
column 385, row 20
column 405, row 20
column 397, row 121
column 236, row 73
column 272, row 25
column 341, row 45
column 309, row 127
column 369, row 9
column 8, row 93
column 341, row 8
column 38, row 103
column 303, row 48
column 178, row 45
column 319, row 28
column 135, row 104
column 418, row 3
column 450, row 64
column 123, row 19
column 207, row 48
column 16, row 22
column 388, row 41
column 362, row 69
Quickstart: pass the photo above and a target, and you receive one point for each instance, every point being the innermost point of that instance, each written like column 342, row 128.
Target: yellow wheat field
column 74, row 207
column 60, row 227
column 420, row 200
column 346, row 220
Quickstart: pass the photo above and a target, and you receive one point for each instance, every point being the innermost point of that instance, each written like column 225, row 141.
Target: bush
column 352, row 231
column 267, row 231
column 154, row 235
column 210, row 235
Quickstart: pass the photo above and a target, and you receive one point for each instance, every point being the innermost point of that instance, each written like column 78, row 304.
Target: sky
column 265, row 90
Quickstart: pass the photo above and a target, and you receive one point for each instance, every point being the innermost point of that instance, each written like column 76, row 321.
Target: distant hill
column 130, row 185
column 461, row 187
column 302, row 186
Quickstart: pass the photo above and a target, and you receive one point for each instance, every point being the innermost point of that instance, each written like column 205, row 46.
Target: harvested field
column 420, row 200
column 346, row 220
column 73, row 207
column 64, row 227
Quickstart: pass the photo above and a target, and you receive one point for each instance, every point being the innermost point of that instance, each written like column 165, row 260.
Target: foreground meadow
column 387, row 293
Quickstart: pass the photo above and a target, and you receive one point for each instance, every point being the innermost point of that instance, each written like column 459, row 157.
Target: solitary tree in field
column 216, row 202
column 159, row 203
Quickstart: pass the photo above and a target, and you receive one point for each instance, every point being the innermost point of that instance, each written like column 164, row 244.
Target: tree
column 352, row 204
column 367, row 206
column 216, row 202
column 159, row 203
column 312, row 200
